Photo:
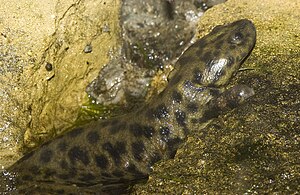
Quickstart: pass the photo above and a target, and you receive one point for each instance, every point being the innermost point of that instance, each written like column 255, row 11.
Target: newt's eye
column 236, row 38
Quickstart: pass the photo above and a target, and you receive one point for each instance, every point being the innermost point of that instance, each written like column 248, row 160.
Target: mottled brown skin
column 125, row 148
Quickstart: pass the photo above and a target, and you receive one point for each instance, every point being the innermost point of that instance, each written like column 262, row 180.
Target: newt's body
column 126, row 147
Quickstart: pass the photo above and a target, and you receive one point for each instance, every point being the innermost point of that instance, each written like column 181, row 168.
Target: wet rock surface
column 45, row 69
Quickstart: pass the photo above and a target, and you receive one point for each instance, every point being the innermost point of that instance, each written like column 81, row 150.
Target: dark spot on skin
column 209, row 114
column 92, row 137
column 118, row 173
column 161, row 112
column 197, row 76
column 115, row 151
column 46, row 156
column 164, row 132
column 49, row 173
column 192, row 107
column 101, row 161
column 176, row 78
column 86, row 177
column 176, row 96
column 76, row 154
column 75, row 132
column 63, row 164
column 148, row 131
column 180, row 117
column 138, row 149
column 62, row 146
column 27, row 178
column 139, row 130
column 48, row 66
column 132, row 169
column 173, row 145
column 136, row 129
column 154, row 158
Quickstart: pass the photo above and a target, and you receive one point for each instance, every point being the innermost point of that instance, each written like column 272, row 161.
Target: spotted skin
column 126, row 147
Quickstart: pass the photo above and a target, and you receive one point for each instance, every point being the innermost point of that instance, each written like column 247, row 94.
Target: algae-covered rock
column 49, row 52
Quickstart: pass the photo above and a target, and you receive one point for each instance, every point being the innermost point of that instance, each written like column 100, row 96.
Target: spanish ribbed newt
column 124, row 148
